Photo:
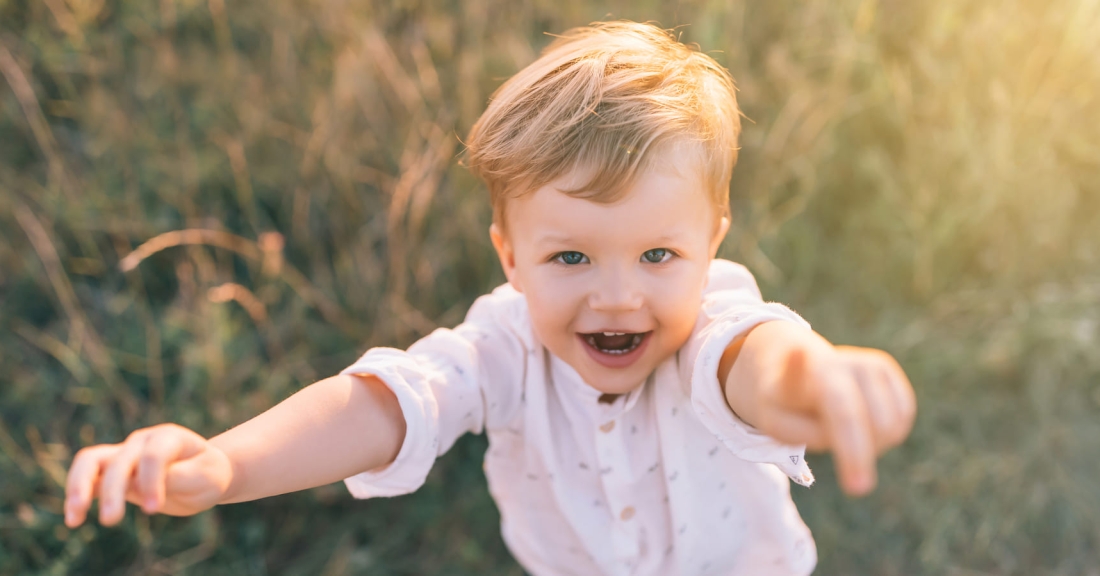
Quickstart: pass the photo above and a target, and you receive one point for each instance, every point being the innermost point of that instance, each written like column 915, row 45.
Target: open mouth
column 615, row 349
column 615, row 343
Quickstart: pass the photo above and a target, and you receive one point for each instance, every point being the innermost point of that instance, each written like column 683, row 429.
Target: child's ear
column 506, row 254
column 719, row 235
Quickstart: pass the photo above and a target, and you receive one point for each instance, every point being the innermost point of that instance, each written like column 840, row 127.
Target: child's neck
column 609, row 398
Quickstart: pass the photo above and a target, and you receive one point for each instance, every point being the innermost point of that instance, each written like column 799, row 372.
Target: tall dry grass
column 205, row 206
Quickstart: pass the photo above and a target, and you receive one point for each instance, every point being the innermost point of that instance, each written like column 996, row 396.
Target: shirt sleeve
column 448, row 383
column 732, row 306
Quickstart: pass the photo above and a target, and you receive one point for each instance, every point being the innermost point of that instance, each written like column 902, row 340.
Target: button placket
column 608, row 451
column 611, row 451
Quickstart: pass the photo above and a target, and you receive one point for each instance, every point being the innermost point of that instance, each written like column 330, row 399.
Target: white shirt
column 664, row 481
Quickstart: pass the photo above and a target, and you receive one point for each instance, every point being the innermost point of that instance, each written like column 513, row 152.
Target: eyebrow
column 664, row 238
column 552, row 238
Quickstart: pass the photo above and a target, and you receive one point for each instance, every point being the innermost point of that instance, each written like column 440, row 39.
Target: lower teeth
column 633, row 344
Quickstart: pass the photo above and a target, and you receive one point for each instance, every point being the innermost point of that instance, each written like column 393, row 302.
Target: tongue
column 613, row 342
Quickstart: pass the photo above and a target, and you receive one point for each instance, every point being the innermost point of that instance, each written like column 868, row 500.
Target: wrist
column 230, row 476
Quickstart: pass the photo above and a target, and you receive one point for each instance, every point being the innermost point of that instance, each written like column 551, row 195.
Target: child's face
column 614, row 289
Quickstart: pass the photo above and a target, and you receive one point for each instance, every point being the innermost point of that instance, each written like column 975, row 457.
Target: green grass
column 922, row 177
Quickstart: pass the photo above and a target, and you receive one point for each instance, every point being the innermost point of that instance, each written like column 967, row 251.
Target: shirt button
column 627, row 513
column 608, row 427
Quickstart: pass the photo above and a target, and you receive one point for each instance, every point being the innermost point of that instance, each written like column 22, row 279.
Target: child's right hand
column 165, row 468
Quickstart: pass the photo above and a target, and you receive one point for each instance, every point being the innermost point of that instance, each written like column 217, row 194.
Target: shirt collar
column 577, row 394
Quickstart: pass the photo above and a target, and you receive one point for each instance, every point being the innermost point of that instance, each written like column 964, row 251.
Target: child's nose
column 616, row 292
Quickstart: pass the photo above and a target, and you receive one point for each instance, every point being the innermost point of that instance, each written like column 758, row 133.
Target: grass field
column 922, row 177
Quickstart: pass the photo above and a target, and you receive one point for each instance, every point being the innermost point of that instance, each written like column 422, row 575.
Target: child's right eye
column 570, row 258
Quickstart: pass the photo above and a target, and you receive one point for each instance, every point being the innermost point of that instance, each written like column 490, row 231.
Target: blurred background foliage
column 922, row 177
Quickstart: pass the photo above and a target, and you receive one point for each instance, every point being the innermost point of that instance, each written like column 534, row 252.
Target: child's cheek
column 676, row 300
column 554, row 291
column 552, row 306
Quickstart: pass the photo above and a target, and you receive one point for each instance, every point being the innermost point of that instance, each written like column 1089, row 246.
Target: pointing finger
column 845, row 416
column 882, row 410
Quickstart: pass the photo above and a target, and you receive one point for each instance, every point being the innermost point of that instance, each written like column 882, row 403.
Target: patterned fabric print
column 665, row 480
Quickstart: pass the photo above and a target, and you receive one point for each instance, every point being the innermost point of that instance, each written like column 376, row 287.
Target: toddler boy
column 644, row 406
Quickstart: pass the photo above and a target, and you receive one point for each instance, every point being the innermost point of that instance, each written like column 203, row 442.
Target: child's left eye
column 570, row 257
column 656, row 255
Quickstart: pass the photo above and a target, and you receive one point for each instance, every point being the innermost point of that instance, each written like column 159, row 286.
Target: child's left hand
column 796, row 387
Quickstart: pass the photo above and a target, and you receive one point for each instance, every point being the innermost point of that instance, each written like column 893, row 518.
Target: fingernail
column 150, row 505
column 857, row 484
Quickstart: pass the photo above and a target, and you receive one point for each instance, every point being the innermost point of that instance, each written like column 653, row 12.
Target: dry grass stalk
column 62, row 352
column 192, row 236
column 66, row 21
column 78, row 322
column 271, row 244
column 241, row 295
column 12, row 450
column 32, row 111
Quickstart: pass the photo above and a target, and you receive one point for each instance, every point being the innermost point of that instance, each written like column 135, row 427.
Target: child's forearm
column 758, row 360
column 326, row 432
column 796, row 387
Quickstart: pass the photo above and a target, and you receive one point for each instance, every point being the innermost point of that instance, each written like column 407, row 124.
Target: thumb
column 199, row 473
column 197, row 483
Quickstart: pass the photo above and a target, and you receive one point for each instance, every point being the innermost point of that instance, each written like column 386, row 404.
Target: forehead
column 667, row 201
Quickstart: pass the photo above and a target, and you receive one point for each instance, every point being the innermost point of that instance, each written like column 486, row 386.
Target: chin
column 612, row 383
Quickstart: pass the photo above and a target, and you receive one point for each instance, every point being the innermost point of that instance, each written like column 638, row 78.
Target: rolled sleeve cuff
column 405, row 377
column 712, row 408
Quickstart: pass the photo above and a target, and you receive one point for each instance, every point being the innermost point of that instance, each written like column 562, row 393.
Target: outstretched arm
column 331, row 430
column 326, row 432
column 793, row 385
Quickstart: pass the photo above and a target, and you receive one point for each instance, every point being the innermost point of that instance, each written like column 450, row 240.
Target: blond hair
column 605, row 97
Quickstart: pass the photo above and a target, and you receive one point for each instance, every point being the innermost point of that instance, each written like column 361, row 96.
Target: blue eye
column 656, row 255
column 571, row 258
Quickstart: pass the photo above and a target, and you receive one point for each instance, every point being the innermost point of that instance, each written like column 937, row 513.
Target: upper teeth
column 614, row 333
